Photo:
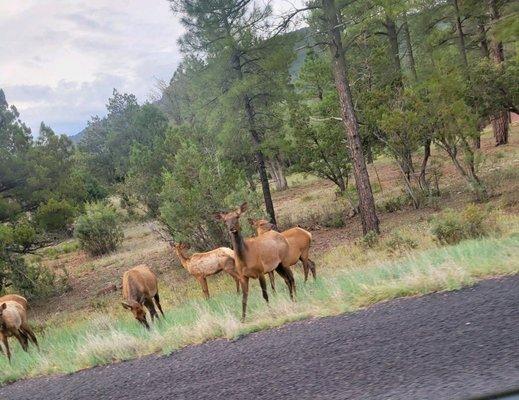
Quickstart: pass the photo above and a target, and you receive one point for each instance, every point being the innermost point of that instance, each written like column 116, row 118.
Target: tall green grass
column 100, row 338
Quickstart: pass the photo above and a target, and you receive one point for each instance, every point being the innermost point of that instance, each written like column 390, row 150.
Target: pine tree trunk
column 461, row 36
column 280, row 173
column 409, row 48
column 392, row 36
column 500, row 120
column 366, row 201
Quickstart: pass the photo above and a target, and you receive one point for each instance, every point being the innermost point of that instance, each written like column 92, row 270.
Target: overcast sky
column 61, row 59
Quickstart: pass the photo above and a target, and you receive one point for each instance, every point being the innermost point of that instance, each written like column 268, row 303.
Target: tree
column 232, row 30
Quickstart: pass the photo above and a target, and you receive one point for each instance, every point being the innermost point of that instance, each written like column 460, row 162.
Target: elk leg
column 6, row 346
column 28, row 331
column 245, row 295
column 157, row 300
column 205, row 288
column 292, row 281
column 151, row 308
column 282, row 271
column 263, row 285
column 237, row 284
column 272, row 284
column 312, row 268
column 22, row 339
column 305, row 267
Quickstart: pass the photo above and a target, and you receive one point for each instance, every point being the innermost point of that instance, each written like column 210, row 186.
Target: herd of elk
column 13, row 322
column 250, row 258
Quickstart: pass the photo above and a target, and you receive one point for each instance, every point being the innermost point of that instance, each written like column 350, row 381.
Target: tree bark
column 409, row 48
column 500, row 120
column 366, row 201
column 392, row 36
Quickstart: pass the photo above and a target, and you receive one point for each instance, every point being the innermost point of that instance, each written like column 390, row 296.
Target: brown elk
column 254, row 257
column 139, row 290
column 299, row 241
column 202, row 265
column 13, row 322
column 15, row 297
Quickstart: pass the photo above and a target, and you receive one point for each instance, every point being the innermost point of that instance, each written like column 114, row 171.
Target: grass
column 101, row 338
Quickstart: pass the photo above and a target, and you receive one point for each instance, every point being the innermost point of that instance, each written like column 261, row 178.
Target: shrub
column 98, row 229
column 36, row 281
column 54, row 216
column 332, row 219
column 393, row 204
column 397, row 243
column 369, row 240
column 452, row 227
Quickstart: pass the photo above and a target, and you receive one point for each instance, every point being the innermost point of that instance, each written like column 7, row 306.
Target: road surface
column 456, row 345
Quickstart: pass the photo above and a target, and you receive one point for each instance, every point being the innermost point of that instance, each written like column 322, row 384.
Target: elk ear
column 3, row 306
column 244, row 207
column 251, row 222
column 218, row 216
column 126, row 305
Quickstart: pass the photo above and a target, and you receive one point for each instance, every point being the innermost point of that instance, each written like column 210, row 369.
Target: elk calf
column 299, row 241
column 13, row 322
column 202, row 265
column 139, row 291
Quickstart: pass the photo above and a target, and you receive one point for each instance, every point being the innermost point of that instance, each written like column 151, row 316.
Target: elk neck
column 238, row 245
column 183, row 259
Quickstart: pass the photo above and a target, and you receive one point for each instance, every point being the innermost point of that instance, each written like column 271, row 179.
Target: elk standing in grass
column 202, row 265
column 257, row 256
column 139, row 290
column 299, row 241
column 13, row 322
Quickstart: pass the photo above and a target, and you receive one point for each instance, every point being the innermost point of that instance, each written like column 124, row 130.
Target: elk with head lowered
column 257, row 256
column 139, row 290
column 299, row 241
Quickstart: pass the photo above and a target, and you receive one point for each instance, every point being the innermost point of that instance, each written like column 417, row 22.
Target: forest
column 322, row 90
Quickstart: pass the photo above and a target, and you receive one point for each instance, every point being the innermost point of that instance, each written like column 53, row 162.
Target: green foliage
column 193, row 191
column 453, row 227
column 393, row 204
column 54, row 216
column 98, row 229
column 369, row 240
column 398, row 242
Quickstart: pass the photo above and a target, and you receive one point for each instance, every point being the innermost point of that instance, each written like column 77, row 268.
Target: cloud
column 61, row 59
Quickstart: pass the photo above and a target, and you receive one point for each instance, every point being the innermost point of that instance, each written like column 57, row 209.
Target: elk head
column 232, row 218
column 138, row 311
column 261, row 225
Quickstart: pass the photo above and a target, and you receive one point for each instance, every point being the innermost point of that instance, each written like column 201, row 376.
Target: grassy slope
column 83, row 328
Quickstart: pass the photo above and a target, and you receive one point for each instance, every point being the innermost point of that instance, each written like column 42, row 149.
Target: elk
column 254, row 257
column 202, row 265
column 13, row 322
column 139, row 291
column 15, row 297
column 299, row 241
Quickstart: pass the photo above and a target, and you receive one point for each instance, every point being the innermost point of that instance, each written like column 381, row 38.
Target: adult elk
column 299, row 241
column 202, row 265
column 139, row 290
column 254, row 257
column 13, row 322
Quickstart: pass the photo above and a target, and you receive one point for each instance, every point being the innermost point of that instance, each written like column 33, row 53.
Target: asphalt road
column 456, row 345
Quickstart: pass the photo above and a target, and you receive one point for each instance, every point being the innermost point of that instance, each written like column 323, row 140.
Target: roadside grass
column 97, row 338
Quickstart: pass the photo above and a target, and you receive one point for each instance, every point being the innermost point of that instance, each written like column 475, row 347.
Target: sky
column 61, row 59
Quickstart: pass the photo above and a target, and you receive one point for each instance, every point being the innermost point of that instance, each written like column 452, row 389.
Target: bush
column 453, row 227
column 397, row 243
column 332, row 219
column 98, row 230
column 393, row 204
column 54, row 216
column 369, row 240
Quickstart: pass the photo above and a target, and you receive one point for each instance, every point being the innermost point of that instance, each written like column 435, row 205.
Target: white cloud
column 61, row 59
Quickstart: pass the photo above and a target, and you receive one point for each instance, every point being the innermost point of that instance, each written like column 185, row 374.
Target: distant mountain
column 77, row 137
